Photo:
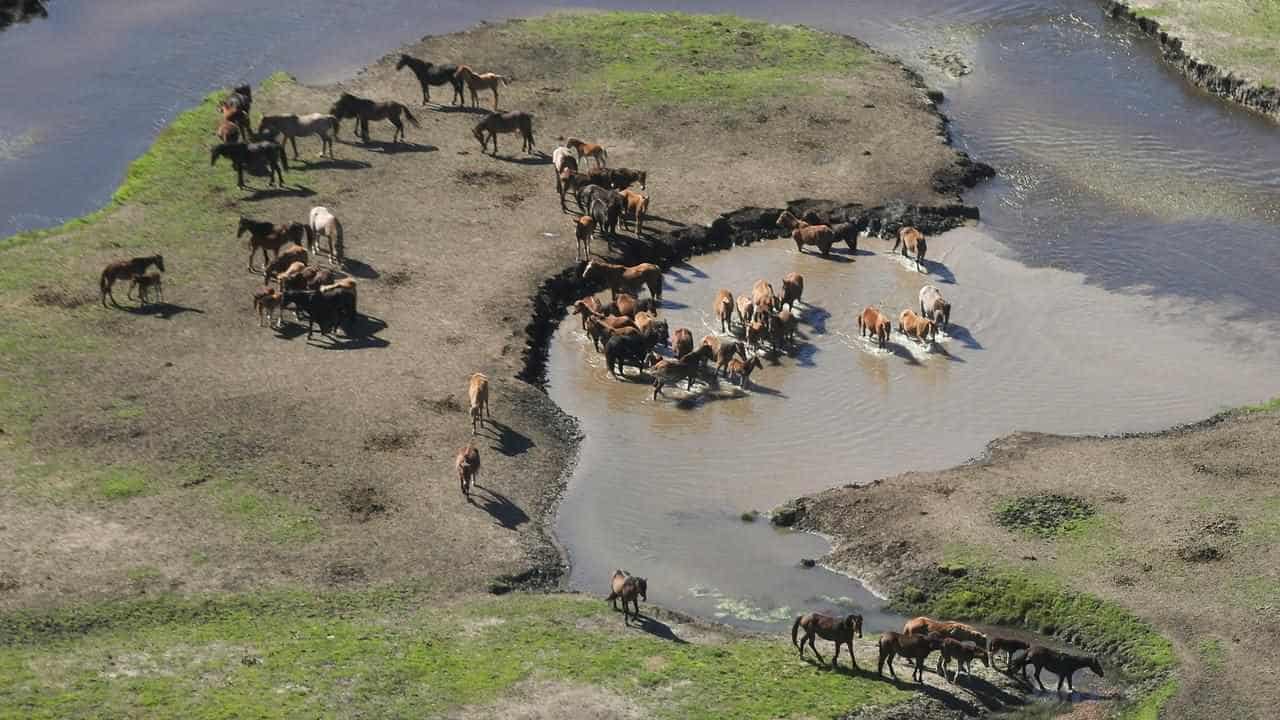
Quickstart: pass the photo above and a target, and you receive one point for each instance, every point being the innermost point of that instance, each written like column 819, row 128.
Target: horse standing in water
column 363, row 110
column 431, row 74
column 259, row 158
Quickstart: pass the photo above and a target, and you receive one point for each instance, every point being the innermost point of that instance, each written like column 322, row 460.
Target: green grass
column 1148, row 708
column 652, row 59
column 1043, row 515
column 1043, row 604
column 1240, row 35
column 272, row 517
column 1212, row 655
column 1272, row 405
column 380, row 653
column 120, row 482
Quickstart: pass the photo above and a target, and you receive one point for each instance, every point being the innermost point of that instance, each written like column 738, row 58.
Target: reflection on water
column 661, row 484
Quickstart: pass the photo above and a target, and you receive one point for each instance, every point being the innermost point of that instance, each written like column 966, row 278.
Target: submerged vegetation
column 285, row 654
column 674, row 58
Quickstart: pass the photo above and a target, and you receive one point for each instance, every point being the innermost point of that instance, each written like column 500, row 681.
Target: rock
column 808, row 562
column 787, row 514
column 935, row 95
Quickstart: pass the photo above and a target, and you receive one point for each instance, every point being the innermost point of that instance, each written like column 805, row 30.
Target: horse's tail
column 409, row 115
column 795, row 627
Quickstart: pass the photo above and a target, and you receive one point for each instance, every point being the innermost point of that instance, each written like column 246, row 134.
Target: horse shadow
column 260, row 194
column 942, row 272
column 949, row 700
column 504, row 512
column 961, row 333
column 938, row 348
column 360, row 334
column 356, row 268
column 901, row 352
column 509, row 441
column 335, row 164
column 396, row 148
column 658, row 629
column 648, row 218
column 691, row 269
column 832, row 256
column 539, row 159
column 845, row 669
column 162, row 310
column 816, row 318
column 990, row 696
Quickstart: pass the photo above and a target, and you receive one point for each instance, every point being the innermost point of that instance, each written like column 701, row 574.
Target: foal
column 125, row 270
column 591, row 150
column 145, row 284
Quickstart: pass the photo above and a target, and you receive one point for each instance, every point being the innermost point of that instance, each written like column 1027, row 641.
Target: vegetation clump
column 1043, row 515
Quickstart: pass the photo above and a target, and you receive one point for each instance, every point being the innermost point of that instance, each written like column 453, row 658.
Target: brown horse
column 495, row 124
column 235, row 109
column 583, row 229
column 266, row 236
column 725, row 350
column 481, row 81
column 874, row 323
column 228, row 131
column 915, row 648
column 363, row 110
column 820, row 236
column 782, row 329
column 266, row 302
column 763, row 298
column 947, row 628
column 963, row 652
column 745, row 311
column 682, row 342
column 630, row 589
column 289, row 254
column 586, row 307
column 913, row 240
column 591, row 150
column 792, row 290
column 621, row 278
column 1064, row 665
column 914, row 326
column 736, row 368
column 1009, row 645
column 125, row 270
column 673, row 371
column 837, row 630
column 145, row 285
column 637, row 206
column 723, row 309
column 467, row 463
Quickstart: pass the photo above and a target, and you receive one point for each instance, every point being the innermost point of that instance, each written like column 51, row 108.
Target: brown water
column 660, row 485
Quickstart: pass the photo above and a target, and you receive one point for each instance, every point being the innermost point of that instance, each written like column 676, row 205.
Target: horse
column 957, row 630
column 638, row 206
column 495, row 124
column 837, row 630
column 673, row 371
column 258, row 158
column 745, row 310
column 874, row 323
column 934, row 306
column 621, row 278
column 604, row 217
column 725, row 352
column 591, row 150
column 288, row 254
column 587, row 307
column 723, row 309
column 912, row 239
column 145, row 284
column 614, row 204
column 963, row 652
column 741, row 370
column 266, row 236
column 782, row 329
column 1064, row 665
column 915, row 648
column 1009, row 645
column 912, row 325
column 228, row 131
column 296, row 126
column 266, row 302
column 621, row 350
column 630, row 589
column 762, row 298
column 431, row 74
column 467, row 463
column 570, row 180
column 364, row 110
column 481, row 81
column 623, row 178
column 323, row 223
column 805, row 233
column 478, row 394
column 235, row 108
column 561, row 159
column 682, row 342
column 792, row 290
column 583, row 229
column 125, row 270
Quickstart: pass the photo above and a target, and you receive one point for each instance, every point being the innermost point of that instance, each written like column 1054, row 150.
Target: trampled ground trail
column 660, row 485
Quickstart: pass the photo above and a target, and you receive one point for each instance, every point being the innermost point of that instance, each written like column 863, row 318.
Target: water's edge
column 1225, row 84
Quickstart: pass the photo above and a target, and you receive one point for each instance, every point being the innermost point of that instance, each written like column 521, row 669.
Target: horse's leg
column 1038, row 682
column 835, row 659
column 293, row 140
column 1070, row 687
column 812, row 646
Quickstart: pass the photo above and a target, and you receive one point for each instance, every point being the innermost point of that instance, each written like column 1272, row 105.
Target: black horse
column 259, row 159
column 431, row 74
column 364, row 110
column 1064, row 665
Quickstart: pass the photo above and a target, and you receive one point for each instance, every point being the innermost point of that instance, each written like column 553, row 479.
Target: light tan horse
column 481, row 81
column 478, row 393
column 723, row 308
column 637, row 206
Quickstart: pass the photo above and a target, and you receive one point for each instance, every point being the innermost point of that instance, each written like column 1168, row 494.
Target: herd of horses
column 627, row 329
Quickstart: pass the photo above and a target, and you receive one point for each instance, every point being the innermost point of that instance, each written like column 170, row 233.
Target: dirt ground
column 1185, row 536
column 321, row 464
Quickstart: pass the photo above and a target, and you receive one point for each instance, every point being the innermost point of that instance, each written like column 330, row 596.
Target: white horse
column 934, row 306
column 325, row 223
column 562, row 157
column 296, row 126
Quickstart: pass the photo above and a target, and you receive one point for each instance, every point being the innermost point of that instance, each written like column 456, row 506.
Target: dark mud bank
column 1223, row 83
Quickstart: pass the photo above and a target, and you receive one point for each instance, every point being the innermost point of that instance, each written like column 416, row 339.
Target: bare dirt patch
column 548, row 700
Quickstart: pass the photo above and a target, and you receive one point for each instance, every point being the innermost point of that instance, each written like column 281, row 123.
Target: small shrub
column 1043, row 515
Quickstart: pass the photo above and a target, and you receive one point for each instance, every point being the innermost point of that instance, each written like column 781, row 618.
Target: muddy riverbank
column 1178, row 528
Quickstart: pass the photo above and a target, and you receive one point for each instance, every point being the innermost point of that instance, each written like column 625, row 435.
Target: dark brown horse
column 1009, row 645
column 913, row 647
column 259, row 158
column 125, row 270
column 630, row 589
column 963, row 652
column 495, row 124
column 1064, row 665
column 364, row 110
column 431, row 74
column 837, row 630
column 266, row 236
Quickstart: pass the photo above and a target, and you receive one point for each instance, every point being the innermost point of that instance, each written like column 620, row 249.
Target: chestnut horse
column 630, row 589
column 837, row 630
column 912, row 325
column 723, row 309
column 481, row 81
column 673, row 371
column 478, row 394
column 874, row 323
column 266, row 236
column 125, row 270
column 621, row 278
column 912, row 239
column 792, row 290
column 923, row 626
column 591, row 150
column 468, row 464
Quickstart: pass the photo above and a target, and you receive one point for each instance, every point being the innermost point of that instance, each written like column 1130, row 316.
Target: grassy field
column 1237, row 35
column 382, row 654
